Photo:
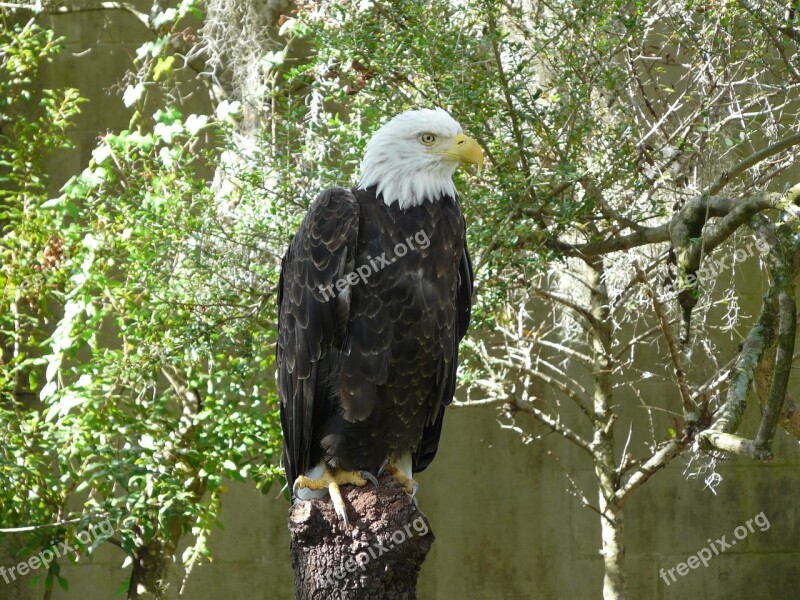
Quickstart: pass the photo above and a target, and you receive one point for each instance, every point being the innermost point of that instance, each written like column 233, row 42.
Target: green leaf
column 132, row 94
column 163, row 65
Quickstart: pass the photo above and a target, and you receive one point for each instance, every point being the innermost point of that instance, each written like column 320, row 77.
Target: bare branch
column 778, row 313
column 605, row 208
column 37, row 527
column 563, row 388
column 734, row 444
column 558, row 298
column 557, row 427
column 480, row 403
column 739, row 213
column 656, row 462
column 750, row 161
column 642, row 336
column 686, row 396
column 566, row 350
column 775, row 41
column 513, row 405
column 782, row 368
column 643, row 237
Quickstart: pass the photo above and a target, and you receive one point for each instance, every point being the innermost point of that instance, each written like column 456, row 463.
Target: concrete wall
column 507, row 528
column 506, row 525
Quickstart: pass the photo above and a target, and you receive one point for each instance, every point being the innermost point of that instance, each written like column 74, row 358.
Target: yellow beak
column 466, row 150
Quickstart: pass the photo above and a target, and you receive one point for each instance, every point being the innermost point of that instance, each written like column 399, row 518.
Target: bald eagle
column 375, row 296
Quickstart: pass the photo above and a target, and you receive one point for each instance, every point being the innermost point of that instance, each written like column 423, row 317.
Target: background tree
column 33, row 125
column 134, row 331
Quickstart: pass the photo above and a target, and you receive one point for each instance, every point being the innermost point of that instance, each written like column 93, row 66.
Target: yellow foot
column 409, row 485
column 331, row 479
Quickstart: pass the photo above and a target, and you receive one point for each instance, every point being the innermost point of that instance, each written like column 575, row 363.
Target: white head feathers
column 410, row 158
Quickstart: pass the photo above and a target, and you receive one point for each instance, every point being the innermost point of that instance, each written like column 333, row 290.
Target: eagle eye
column 427, row 138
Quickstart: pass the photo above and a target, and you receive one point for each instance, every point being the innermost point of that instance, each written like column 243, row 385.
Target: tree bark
column 150, row 571
column 153, row 576
column 766, row 355
column 615, row 586
column 377, row 556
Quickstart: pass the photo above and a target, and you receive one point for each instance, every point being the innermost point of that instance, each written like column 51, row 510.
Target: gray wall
column 505, row 523
column 507, row 528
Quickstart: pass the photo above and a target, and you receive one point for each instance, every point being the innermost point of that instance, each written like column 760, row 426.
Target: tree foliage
column 137, row 322
column 33, row 125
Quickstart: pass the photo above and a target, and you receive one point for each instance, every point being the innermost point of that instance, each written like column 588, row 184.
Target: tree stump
column 377, row 556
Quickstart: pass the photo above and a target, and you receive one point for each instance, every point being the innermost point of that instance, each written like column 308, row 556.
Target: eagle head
column 412, row 158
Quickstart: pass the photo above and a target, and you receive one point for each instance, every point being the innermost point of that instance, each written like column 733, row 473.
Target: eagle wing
column 433, row 431
column 312, row 319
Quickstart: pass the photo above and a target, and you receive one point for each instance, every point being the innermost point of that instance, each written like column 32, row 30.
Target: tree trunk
column 611, row 515
column 611, row 526
column 378, row 556
column 153, row 565
column 150, row 567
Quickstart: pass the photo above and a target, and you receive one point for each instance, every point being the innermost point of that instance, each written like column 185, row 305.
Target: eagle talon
column 331, row 479
column 409, row 485
column 383, row 466
column 338, row 503
column 370, row 477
